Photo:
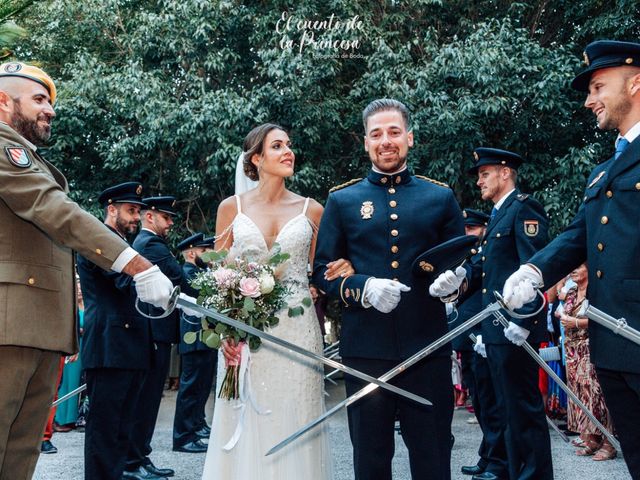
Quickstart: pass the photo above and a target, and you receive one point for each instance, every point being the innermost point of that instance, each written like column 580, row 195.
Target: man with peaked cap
column 476, row 370
column 381, row 224
column 157, row 220
column 517, row 229
column 605, row 233
column 197, row 359
column 40, row 228
column 116, row 351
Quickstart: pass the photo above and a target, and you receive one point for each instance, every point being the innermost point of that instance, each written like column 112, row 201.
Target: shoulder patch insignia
column 531, row 228
column 18, row 156
column 522, row 197
column 422, row 177
column 345, row 184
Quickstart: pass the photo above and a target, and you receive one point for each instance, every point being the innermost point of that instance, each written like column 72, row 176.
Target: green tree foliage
column 165, row 91
column 10, row 32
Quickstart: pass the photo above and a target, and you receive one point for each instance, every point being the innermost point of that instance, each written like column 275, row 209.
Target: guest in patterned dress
column 581, row 374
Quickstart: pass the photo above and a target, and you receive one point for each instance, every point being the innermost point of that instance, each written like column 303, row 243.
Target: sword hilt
column 512, row 313
column 171, row 306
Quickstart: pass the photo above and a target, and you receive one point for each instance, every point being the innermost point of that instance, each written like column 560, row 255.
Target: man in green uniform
column 40, row 228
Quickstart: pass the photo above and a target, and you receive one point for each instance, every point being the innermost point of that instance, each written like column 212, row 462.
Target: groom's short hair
column 384, row 105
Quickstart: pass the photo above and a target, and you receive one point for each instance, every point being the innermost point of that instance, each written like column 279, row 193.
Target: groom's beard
column 200, row 263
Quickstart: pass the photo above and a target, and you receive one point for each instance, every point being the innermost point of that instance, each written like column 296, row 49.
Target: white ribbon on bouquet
column 245, row 393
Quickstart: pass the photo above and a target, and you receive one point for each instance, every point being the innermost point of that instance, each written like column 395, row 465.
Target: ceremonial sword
column 72, row 393
column 489, row 310
column 175, row 300
column 619, row 326
column 505, row 323
column 550, row 422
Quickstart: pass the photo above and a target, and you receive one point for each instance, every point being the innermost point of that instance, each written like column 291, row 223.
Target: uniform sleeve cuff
column 365, row 302
column 123, row 259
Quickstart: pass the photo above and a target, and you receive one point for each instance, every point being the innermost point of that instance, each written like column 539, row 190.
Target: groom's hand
column 383, row 294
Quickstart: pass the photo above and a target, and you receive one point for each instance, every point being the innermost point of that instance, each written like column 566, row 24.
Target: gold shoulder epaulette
column 442, row 184
column 345, row 184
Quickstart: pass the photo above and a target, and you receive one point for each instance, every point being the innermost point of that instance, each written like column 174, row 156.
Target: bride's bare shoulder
column 228, row 207
column 315, row 206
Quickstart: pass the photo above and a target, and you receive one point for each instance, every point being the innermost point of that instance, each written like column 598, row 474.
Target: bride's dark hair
column 254, row 143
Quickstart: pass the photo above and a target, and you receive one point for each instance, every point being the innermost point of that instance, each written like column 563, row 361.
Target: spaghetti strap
column 238, row 203
column 306, row 204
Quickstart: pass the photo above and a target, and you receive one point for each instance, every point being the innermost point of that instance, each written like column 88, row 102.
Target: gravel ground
column 67, row 464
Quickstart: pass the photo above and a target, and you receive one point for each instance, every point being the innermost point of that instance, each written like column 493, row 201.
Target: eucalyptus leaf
column 249, row 304
column 214, row 257
column 213, row 341
column 307, row 302
column 190, row 337
column 220, row 328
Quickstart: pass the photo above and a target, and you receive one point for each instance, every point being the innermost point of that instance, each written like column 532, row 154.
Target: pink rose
column 224, row 277
column 250, row 287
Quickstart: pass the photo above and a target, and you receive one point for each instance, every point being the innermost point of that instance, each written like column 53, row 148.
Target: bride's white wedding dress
column 288, row 385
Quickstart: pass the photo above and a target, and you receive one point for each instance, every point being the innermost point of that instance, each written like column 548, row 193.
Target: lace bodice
column 289, row 386
column 294, row 238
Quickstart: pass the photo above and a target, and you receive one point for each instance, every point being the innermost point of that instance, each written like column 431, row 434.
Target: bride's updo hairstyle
column 254, row 144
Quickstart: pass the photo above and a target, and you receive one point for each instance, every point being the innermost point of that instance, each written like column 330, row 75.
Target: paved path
column 67, row 464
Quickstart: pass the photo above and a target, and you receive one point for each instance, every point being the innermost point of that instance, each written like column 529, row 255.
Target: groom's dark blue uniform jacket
column 381, row 224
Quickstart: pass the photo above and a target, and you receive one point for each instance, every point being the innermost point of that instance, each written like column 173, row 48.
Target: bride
column 286, row 389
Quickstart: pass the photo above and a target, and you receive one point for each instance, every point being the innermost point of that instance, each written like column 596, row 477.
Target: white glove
column 153, row 286
column 447, row 283
column 187, row 311
column 516, row 334
column 520, row 287
column 384, row 294
column 479, row 347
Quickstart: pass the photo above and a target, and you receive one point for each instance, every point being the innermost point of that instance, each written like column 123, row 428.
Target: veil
column 243, row 183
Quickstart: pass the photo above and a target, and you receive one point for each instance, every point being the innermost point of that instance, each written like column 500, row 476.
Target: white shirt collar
column 631, row 135
column 148, row 230
column 373, row 167
column 501, row 201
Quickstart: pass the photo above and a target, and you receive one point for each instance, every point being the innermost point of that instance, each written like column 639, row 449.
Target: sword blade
column 72, row 393
column 554, row 427
column 283, row 343
column 617, row 326
column 505, row 323
column 428, row 350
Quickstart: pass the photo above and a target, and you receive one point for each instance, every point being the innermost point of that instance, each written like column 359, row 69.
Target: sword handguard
column 171, row 306
column 512, row 313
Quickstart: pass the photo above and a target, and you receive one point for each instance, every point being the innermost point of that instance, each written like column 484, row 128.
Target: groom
column 381, row 224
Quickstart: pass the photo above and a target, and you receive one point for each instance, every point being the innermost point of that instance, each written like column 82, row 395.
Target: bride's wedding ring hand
column 340, row 268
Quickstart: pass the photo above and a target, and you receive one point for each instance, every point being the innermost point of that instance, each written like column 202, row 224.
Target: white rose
column 267, row 283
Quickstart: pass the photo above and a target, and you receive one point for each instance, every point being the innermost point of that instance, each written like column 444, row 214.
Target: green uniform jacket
column 39, row 227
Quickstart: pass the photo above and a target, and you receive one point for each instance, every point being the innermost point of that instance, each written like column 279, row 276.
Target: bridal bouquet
column 246, row 291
